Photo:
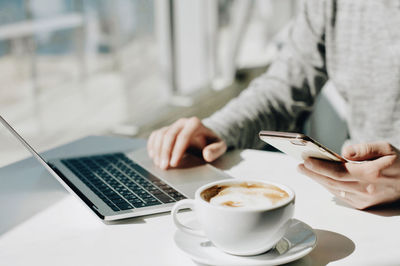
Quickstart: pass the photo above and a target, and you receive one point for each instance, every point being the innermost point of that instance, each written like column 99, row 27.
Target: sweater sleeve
column 281, row 98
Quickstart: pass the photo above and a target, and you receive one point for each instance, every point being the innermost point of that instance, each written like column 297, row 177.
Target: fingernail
column 173, row 162
column 308, row 164
column 207, row 155
column 164, row 164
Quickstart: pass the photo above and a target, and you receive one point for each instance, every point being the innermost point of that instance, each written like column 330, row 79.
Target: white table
column 41, row 224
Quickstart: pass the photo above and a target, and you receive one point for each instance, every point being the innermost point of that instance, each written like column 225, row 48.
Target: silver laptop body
column 129, row 184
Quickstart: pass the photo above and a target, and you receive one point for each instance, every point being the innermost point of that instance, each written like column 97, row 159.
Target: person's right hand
column 167, row 145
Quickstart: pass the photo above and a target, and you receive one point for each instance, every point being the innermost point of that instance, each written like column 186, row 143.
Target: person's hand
column 362, row 185
column 166, row 146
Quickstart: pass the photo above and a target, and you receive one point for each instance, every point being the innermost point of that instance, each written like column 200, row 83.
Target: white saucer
column 298, row 241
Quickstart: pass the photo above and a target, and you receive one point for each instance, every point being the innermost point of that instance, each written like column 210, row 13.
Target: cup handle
column 184, row 204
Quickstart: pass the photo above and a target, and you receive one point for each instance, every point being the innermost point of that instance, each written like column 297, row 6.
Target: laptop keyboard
column 121, row 183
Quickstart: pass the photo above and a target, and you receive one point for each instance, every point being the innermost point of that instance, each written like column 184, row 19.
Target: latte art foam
column 245, row 195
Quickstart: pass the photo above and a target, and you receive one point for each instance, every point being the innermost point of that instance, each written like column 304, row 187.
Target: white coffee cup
column 241, row 231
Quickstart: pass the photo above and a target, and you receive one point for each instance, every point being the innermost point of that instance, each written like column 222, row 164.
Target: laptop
column 122, row 185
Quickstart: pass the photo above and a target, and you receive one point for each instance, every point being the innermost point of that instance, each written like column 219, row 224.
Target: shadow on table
column 136, row 220
column 191, row 160
column 385, row 210
column 331, row 246
column 18, row 193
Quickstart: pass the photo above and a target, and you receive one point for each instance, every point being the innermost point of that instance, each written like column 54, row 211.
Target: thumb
column 368, row 151
column 214, row 150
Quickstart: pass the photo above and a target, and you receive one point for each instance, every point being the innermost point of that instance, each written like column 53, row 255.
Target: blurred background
column 73, row 68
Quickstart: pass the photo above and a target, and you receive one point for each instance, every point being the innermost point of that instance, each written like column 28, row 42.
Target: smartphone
column 299, row 146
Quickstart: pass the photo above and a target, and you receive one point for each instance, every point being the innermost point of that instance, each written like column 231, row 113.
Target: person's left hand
column 362, row 185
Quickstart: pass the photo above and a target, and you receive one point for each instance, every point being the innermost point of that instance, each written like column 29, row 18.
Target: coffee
column 245, row 195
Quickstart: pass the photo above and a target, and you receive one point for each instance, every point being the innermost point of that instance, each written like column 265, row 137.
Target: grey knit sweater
column 353, row 43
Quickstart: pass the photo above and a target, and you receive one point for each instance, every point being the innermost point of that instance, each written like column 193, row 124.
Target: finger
column 214, row 151
column 371, row 171
column 359, row 195
column 157, row 144
column 334, row 170
column 168, row 143
column 351, row 187
column 183, row 140
column 368, row 151
column 205, row 136
column 150, row 145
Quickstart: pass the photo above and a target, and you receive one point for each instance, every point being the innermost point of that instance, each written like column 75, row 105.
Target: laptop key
column 152, row 203
column 135, row 202
column 124, row 206
column 140, row 205
column 112, row 206
column 176, row 195
column 164, row 198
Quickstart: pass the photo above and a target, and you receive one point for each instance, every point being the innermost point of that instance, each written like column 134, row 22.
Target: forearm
column 284, row 95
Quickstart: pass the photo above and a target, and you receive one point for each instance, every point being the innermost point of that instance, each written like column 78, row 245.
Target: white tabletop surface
column 41, row 224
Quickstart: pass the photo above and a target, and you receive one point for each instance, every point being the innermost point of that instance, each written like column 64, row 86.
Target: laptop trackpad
column 192, row 173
